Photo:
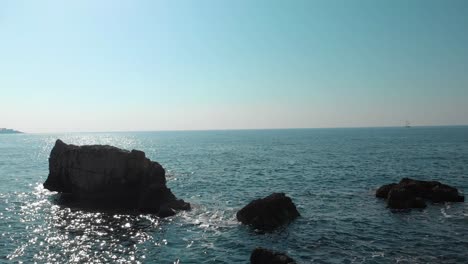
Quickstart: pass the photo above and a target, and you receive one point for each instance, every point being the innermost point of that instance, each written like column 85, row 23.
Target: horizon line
column 238, row 129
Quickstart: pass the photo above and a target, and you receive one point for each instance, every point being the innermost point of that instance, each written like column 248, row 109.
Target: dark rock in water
column 268, row 213
column 265, row 256
column 109, row 177
column 165, row 211
column 409, row 193
column 400, row 197
column 432, row 190
column 383, row 191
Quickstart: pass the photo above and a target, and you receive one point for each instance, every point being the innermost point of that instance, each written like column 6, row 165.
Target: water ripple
column 330, row 174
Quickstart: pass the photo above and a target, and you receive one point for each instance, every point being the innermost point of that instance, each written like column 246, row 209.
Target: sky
column 71, row 66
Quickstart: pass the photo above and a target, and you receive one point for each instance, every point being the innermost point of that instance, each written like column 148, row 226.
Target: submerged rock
column 109, row 177
column 268, row 213
column 409, row 193
column 265, row 256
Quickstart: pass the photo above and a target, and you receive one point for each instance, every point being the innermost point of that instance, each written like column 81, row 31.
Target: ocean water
column 331, row 175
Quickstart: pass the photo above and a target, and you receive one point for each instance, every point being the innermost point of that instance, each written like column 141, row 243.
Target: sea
column 330, row 174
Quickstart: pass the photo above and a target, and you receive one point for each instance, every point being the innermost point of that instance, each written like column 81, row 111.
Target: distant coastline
column 9, row 131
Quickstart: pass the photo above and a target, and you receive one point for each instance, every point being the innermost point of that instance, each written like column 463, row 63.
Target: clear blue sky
column 162, row 65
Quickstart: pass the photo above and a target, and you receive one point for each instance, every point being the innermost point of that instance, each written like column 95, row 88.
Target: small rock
column 265, row 256
column 403, row 198
column 268, row 213
column 409, row 193
column 383, row 191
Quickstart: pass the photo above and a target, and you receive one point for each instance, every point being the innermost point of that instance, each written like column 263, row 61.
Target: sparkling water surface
column 331, row 175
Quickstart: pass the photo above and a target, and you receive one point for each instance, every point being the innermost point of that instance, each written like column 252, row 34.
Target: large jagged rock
column 268, row 213
column 109, row 177
column 409, row 193
column 265, row 256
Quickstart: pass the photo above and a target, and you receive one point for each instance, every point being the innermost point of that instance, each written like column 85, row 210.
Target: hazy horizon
column 242, row 129
column 92, row 66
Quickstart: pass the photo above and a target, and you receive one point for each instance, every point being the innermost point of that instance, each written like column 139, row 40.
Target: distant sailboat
column 407, row 124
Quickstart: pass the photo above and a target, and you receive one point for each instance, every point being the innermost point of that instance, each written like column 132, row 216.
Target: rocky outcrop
column 409, row 193
column 265, row 256
column 106, row 176
column 268, row 213
column 9, row 131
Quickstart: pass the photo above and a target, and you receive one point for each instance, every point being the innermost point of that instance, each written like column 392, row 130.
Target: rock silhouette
column 409, row 193
column 109, row 177
column 265, row 256
column 268, row 213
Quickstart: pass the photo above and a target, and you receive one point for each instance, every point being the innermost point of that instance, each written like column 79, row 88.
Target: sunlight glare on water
column 331, row 175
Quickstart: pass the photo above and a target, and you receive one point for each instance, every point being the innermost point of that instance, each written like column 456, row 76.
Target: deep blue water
column 331, row 175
